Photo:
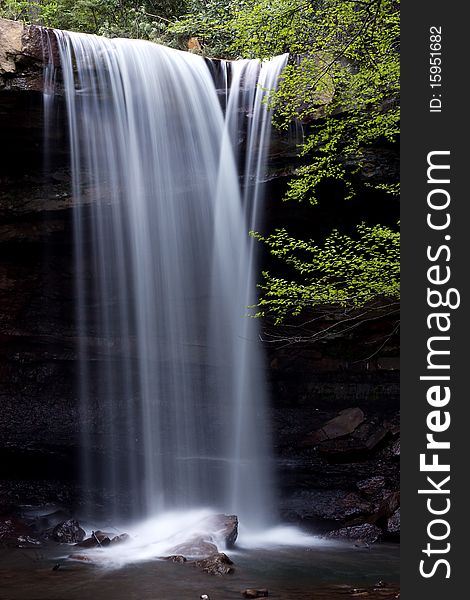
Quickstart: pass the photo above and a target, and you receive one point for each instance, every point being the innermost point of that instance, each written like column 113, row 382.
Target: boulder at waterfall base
column 195, row 546
column 68, row 532
column 223, row 528
column 216, row 564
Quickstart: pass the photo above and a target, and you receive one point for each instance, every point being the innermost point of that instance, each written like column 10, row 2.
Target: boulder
column 366, row 533
column 216, row 564
column 223, row 528
column 176, row 558
column 371, row 487
column 370, row 434
column 102, row 539
column 195, row 546
column 253, row 593
column 393, row 524
column 358, row 445
column 389, row 505
column 345, row 423
column 68, row 532
column 120, row 539
column 90, row 542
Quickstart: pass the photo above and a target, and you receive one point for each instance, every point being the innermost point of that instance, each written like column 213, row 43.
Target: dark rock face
column 389, row 504
column 371, row 487
column 330, row 505
column 323, row 483
column 22, row 52
column 68, row 532
column 393, row 524
column 367, row 534
column 217, row 564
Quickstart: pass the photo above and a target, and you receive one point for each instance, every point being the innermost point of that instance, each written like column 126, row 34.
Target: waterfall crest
column 164, row 274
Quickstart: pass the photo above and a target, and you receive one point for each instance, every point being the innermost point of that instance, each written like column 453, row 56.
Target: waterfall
column 171, row 374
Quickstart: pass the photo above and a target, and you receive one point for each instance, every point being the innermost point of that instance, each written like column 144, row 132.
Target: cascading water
column 165, row 272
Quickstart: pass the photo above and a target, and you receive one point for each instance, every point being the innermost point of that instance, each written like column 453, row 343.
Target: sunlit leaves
column 347, row 271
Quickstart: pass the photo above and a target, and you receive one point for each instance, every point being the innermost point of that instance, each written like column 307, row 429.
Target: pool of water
column 317, row 572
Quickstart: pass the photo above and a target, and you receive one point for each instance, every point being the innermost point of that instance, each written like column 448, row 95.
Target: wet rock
column 27, row 541
column 102, row 539
column 395, row 449
column 16, row 533
column 371, row 487
column 393, row 524
column 121, row 538
column 388, row 506
column 196, row 546
column 362, row 533
column 345, row 423
column 176, row 558
column 216, row 564
column 90, row 542
column 81, row 558
column 223, row 528
column 68, row 532
column 252, row 593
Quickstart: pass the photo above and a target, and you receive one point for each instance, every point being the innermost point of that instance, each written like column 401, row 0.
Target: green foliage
column 145, row 19
column 211, row 22
column 345, row 271
column 344, row 85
